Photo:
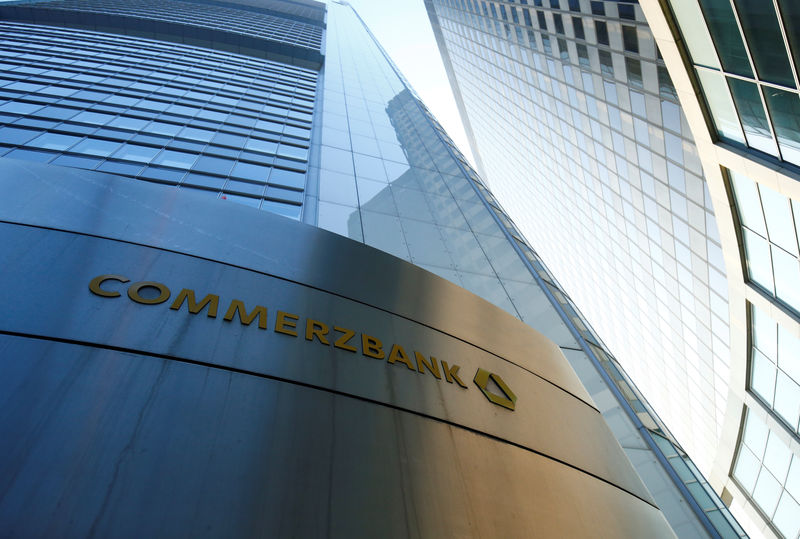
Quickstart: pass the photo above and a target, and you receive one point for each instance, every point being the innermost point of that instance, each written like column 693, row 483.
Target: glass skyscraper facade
column 654, row 143
column 605, row 181
column 296, row 110
column 740, row 60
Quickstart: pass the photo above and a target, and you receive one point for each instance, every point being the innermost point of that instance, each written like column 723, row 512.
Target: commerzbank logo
column 493, row 387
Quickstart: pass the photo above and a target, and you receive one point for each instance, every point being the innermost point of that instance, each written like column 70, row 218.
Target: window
column 629, row 39
column 606, row 64
column 577, row 26
column 102, row 148
column 634, row 69
column 54, row 141
column 583, row 56
column 559, row 23
column 602, row 32
column 626, row 11
column 542, row 20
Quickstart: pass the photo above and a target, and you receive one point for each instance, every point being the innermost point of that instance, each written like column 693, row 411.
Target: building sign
column 295, row 325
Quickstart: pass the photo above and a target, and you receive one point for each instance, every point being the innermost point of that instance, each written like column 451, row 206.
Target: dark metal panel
column 111, row 444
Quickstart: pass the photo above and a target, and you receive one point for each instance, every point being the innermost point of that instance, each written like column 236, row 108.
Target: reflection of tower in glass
column 400, row 110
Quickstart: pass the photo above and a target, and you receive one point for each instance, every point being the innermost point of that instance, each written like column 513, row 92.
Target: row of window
column 117, row 118
column 630, row 37
column 561, row 49
column 109, row 113
column 61, row 64
column 205, row 16
column 624, row 10
column 108, row 48
column 210, row 159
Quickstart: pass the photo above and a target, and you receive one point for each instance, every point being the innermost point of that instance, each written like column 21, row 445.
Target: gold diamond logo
column 507, row 400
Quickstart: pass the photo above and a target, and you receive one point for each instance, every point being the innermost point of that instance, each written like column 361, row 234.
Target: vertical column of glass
column 389, row 180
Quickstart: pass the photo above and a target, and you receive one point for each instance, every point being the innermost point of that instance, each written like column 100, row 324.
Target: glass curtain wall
column 390, row 177
column 581, row 136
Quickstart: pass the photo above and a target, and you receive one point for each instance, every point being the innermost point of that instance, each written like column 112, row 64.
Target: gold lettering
column 237, row 306
column 286, row 323
column 451, row 374
column 212, row 300
column 134, row 289
column 318, row 329
column 342, row 341
column 94, row 285
column 371, row 347
column 433, row 366
column 398, row 354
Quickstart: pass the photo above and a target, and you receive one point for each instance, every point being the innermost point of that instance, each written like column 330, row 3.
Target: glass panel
column 726, row 36
column 762, row 377
column 790, row 10
column 287, row 178
column 792, row 484
column 171, row 158
column 746, row 470
column 748, row 202
column 764, row 333
column 15, row 135
column 777, row 457
column 767, row 492
column 634, row 69
column 134, row 152
column 787, row 400
column 780, row 224
column 602, row 32
column 54, row 141
column 787, row 516
column 248, row 171
column 629, row 39
column 694, row 32
column 754, row 119
column 787, row 277
column 789, row 353
column 286, row 210
column 759, row 264
column 784, row 107
column 213, row 165
column 763, row 35
column 31, row 155
column 724, row 115
column 606, row 63
column 76, row 161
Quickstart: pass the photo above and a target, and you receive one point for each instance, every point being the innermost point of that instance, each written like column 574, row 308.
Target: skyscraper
column 735, row 67
column 606, row 168
column 158, row 358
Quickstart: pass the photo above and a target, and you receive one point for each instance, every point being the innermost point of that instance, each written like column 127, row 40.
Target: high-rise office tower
column 177, row 361
column 605, row 178
column 735, row 69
